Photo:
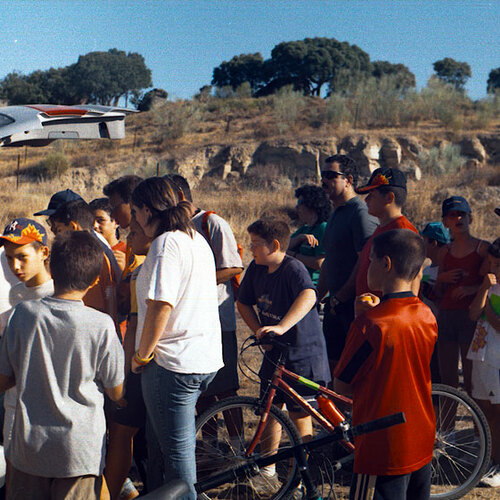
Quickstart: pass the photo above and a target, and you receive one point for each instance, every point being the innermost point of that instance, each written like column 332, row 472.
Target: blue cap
column 436, row 231
column 58, row 200
column 457, row 203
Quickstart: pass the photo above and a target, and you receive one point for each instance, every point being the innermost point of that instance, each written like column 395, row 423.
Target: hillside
column 269, row 146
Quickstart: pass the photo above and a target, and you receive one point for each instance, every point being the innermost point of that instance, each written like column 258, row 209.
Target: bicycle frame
column 277, row 382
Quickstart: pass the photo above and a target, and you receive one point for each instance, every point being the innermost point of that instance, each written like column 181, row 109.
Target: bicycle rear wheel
column 463, row 443
column 223, row 433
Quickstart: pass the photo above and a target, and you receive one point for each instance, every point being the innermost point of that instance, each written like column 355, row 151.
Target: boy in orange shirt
column 386, row 366
column 386, row 191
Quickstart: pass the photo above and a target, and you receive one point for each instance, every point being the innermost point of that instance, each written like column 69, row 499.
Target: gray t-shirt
column 61, row 354
column 225, row 249
column 347, row 231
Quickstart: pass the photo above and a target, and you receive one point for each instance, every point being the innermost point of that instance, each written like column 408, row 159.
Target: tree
column 493, row 81
column 402, row 77
column 453, row 72
column 240, row 69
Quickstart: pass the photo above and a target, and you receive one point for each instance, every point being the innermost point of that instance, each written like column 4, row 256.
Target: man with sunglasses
column 348, row 229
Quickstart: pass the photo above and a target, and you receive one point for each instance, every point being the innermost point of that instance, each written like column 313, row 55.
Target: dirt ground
column 251, row 388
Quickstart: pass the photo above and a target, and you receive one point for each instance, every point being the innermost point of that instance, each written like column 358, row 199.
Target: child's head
column 26, row 249
column 75, row 261
column 395, row 255
column 182, row 186
column 103, row 220
column 435, row 236
column 138, row 241
column 269, row 237
column 386, row 188
column 73, row 216
column 494, row 258
column 119, row 192
column 57, row 200
column 457, row 215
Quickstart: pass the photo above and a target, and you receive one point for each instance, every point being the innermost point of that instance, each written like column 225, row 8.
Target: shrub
column 288, row 106
column 174, row 120
column 54, row 165
column 441, row 161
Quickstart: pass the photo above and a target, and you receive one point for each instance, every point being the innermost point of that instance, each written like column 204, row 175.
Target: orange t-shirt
column 386, row 360
column 364, row 258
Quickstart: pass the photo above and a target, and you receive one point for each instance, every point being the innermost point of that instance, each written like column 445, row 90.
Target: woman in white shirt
column 178, row 341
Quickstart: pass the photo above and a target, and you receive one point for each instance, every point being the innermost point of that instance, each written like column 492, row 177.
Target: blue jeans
column 170, row 400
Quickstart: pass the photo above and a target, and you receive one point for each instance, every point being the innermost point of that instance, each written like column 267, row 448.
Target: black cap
column 384, row 177
column 58, row 200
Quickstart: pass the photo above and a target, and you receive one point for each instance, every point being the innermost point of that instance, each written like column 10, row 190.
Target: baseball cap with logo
column 384, row 177
column 456, row 203
column 58, row 200
column 22, row 231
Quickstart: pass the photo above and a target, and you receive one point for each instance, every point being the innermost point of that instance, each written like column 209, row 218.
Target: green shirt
column 318, row 232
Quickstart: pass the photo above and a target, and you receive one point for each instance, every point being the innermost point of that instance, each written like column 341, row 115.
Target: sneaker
column 128, row 492
column 492, row 477
column 264, row 485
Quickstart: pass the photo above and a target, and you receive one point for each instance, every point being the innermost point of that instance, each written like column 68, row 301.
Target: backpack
column 235, row 280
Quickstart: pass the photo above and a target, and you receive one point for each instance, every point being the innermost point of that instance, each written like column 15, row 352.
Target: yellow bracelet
column 143, row 361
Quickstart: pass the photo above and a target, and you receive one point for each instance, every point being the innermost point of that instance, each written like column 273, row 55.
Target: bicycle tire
column 463, row 444
column 219, row 449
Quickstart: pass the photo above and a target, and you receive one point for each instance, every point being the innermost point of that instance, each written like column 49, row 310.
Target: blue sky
column 183, row 40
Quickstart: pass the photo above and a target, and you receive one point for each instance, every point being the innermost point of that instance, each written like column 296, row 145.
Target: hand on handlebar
column 267, row 330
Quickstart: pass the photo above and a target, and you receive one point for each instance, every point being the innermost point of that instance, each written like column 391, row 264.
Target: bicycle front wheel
column 224, row 432
column 463, row 443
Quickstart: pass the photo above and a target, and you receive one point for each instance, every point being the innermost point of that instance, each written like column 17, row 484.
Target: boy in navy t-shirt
column 281, row 289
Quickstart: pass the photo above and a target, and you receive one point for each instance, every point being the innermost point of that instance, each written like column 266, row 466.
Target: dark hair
column 346, row 165
column 75, row 260
column 405, row 248
column 75, row 211
column 181, row 184
column 494, row 249
column 270, row 229
column 123, row 187
column 398, row 192
column 315, row 198
column 159, row 195
column 101, row 204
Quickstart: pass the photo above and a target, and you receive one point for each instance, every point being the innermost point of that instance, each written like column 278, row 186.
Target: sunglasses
column 330, row 174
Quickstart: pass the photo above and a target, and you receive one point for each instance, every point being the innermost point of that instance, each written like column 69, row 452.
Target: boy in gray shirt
column 62, row 356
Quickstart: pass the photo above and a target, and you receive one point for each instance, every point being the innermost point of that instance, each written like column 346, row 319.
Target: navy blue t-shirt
column 273, row 294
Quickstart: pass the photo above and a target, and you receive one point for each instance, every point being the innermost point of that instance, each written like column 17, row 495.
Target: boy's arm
column 304, row 302
column 129, row 342
column 249, row 316
column 225, row 274
column 114, row 393
column 479, row 303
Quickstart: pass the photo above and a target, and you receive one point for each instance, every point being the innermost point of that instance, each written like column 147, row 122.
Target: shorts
column 455, row 326
column 134, row 414
column 22, row 486
column 418, row 483
column 336, row 326
column 486, row 382
column 227, row 377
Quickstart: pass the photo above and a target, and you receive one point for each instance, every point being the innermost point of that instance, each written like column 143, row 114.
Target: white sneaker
column 492, row 477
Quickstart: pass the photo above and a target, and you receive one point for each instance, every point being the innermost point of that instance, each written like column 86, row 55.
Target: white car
column 40, row 124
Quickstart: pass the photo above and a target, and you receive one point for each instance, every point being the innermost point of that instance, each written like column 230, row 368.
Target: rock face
column 302, row 161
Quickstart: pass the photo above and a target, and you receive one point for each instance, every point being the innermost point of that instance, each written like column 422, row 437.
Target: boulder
column 491, row 144
column 390, row 153
column 471, row 147
column 365, row 151
column 410, row 147
column 412, row 170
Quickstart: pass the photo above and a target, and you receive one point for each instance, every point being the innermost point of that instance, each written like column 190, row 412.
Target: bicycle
column 300, row 453
column 461, row 452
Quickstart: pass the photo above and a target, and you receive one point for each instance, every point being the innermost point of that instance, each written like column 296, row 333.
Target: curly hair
column 315, row 198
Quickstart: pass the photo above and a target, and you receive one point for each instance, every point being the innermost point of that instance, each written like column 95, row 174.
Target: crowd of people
column 111, row 347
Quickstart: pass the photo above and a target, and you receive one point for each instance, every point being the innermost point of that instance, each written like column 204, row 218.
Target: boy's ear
column 389, row 198
column 387, row 263
column 45, row 252
column 275, row 246
column 74, row 226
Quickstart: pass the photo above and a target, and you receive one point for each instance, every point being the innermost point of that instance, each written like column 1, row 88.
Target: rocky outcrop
column 302, row 161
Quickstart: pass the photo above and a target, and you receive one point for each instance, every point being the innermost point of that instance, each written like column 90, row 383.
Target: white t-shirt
column 180, row 270
column 7, row 279
column 225, row 250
